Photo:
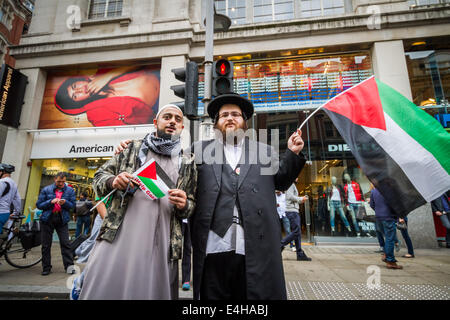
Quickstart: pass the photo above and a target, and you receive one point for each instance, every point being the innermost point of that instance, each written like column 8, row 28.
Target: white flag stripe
column 420, row 166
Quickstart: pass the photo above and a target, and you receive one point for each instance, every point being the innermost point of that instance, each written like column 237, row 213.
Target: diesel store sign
column 83, row 143
column 12, row 91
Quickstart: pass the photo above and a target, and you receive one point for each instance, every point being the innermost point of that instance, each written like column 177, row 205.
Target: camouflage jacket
column 128, row 161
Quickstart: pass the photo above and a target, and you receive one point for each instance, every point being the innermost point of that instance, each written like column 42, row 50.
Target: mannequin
column 335, row 201
column 353, row 199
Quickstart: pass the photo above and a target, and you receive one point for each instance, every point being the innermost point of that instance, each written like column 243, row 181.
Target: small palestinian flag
column 403, row 150
column 153, row 181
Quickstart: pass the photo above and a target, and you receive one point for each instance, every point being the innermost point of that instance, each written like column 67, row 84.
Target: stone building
column 289, row 57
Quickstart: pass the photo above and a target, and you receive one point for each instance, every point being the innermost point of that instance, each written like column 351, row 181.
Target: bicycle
column 11, row 246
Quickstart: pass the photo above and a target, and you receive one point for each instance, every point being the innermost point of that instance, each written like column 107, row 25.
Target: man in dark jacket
column 387, row 219
column 55, row 201
column 441, row 208
column 236, row 232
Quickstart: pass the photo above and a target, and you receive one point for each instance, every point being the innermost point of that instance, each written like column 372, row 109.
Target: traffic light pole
column 206, row 125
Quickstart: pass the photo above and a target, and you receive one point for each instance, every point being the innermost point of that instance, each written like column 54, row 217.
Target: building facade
column 290, row 56
column 15, row 18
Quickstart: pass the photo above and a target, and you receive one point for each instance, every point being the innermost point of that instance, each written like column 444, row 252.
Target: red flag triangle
column 361, row 104
column 149, row 172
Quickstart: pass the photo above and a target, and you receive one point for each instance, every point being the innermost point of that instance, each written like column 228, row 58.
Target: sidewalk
column 334, row 273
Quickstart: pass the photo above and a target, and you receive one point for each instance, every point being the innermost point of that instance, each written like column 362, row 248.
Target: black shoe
column 303, row 258
column 46, row 272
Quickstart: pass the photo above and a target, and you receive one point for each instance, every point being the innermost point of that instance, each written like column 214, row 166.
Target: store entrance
column 331, row 178
column 80, row 173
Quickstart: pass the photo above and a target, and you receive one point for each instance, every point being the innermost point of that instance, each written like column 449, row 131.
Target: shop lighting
column 93, row 159
column 419, row 43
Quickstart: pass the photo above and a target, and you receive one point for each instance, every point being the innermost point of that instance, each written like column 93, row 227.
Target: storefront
column 428, row 62
column 284, row 91
column 78, row 130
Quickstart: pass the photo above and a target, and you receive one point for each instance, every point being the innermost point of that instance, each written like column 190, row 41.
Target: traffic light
column 222, row 77
column 189, row 90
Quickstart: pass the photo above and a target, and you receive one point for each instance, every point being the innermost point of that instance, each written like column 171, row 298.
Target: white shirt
column 233, row 240
column 335, row 194
column 351, row 194
column 281, row 201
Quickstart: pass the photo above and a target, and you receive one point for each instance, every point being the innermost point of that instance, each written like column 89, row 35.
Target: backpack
column 81, row 208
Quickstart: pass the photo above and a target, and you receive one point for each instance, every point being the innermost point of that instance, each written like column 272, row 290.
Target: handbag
column 367, row 213
column 361, row 214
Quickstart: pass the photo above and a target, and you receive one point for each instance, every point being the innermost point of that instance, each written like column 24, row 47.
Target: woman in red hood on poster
column 121, row 96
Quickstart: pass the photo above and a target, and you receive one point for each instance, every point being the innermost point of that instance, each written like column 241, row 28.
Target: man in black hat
column 235, row 227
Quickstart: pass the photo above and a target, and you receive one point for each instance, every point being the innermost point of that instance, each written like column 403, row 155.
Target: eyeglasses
column 234, row 115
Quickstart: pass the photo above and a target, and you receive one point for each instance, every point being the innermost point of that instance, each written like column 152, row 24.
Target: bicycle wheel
column 19, row 257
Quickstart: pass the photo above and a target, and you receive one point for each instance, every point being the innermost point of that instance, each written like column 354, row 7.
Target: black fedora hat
column 230, row 98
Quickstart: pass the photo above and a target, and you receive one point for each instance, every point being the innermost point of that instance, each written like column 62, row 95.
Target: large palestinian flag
column 403, row 150
column 152, row 180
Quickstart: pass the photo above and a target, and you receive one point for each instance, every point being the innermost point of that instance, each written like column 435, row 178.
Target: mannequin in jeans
column 353, row 200
column 335, row 202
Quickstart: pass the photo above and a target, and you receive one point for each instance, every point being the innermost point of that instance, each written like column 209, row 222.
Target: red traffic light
column 223, row 67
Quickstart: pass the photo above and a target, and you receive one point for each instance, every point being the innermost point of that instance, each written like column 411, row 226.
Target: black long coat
column 261, row 173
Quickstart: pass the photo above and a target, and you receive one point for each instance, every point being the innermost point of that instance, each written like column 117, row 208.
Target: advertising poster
column 100, row 97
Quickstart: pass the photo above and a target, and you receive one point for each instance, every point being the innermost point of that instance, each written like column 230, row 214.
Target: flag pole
column 103, row 199
column 306, row 120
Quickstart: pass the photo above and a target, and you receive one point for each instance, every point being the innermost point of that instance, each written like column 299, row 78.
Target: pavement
column 335, row 273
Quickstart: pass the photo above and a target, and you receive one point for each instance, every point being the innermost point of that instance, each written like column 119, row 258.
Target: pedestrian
column 387, row 221
column 85, row 248
column 139, row 244
column 55, row 201
column 10, row 201
column 441, row 208
column 281, row 208
column 292, row 212
column 83, row 215
column 186, row 259
column 403, row 227
column 236, row 231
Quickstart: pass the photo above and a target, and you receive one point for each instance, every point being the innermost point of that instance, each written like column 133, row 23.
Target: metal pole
column 206, row 125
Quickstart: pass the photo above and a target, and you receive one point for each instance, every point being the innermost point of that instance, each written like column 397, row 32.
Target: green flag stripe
column 153, row 187
column 422, row 127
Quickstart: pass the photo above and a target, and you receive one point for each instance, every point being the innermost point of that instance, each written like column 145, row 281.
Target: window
column 6, row 14
column 271, row 10
column 234, row 9
column 317, row 8
column 105, row 8
column 426, row 2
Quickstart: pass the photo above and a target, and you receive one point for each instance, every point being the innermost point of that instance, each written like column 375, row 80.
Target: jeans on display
column 390, row 233
column 337, row 205
column 354, row 207
column 83, row 221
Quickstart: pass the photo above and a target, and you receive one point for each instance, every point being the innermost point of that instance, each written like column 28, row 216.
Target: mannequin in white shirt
column 335, row 202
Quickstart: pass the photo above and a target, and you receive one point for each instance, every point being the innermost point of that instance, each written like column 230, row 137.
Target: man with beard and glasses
column 139, row 244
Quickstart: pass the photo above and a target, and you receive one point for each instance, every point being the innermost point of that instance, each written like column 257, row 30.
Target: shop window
column 316, row 8
column 234, row 9
column 6, row 14
column 272, row 10
column 300, row 83
column 105, row 8
column 429, row 74
column 329, row 129
column 426, row 2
